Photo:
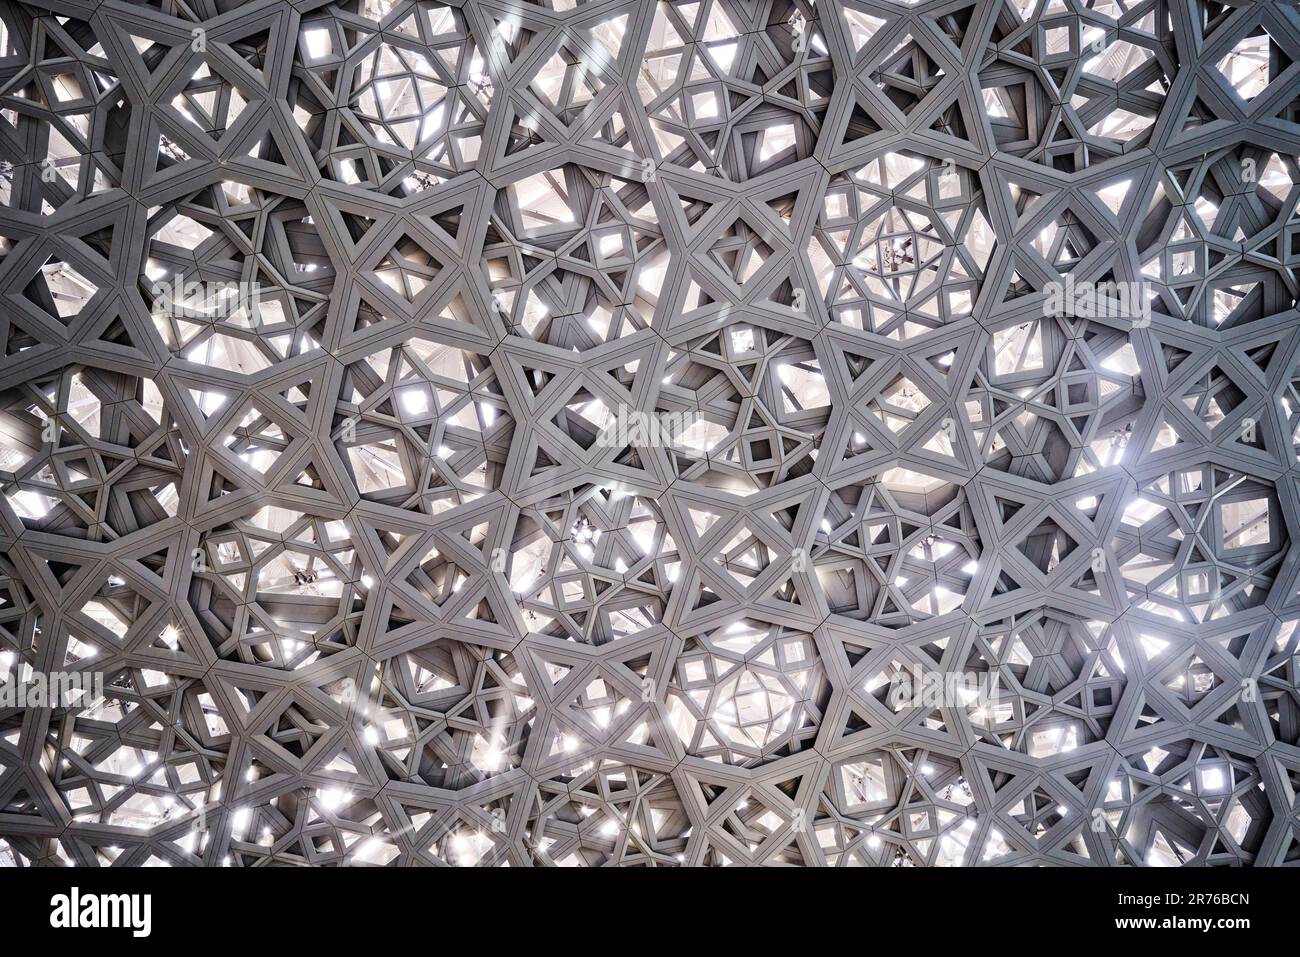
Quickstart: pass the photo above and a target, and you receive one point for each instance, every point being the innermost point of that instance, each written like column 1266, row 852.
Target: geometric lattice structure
column 552, row 433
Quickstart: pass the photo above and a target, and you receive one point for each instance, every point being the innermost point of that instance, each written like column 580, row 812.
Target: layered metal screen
column 649, row 433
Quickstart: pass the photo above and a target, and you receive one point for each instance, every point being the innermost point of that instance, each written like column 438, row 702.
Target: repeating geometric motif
column 316, row 321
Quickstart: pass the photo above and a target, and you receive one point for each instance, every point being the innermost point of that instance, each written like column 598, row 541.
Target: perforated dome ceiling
column 543, row 433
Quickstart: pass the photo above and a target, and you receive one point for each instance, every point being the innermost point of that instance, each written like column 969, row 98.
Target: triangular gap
column 1262, row 355
column 956, row 22
column 1024, row 199
column 862, row 26
column 1008, row 509
column 942, row 359
column 99, row 237
column 254, row 49
column 309, row 476
column 220, row 483
column 860, row 125
column 1112, row 194
column 449, row 221
column 265, row 145
column 483, row 611
column 854, row 723
column 368, row 315
column 524, row 134
column 787, row 515
column 783, row 206
column 297, row 394
column 1198, row 116
column 116, row 333
column 1174, row 356
column 940, row 443
column 151, row 52
column 542, row 462
column 856, row 364
column 356, row 224
column 1079, row 779
column 998, row 778
column 1165, row 437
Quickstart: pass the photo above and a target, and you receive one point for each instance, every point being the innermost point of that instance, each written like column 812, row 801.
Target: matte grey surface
column 315, row 320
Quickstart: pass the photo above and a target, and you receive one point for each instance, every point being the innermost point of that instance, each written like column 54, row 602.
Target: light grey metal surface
column 340, row 342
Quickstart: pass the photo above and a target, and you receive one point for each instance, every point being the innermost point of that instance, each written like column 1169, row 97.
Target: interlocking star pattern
column 317, row 320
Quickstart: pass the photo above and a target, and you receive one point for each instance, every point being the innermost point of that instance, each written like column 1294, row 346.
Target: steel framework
column 551, row 433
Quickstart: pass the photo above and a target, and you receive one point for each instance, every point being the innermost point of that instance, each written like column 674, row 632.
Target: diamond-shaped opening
column 567, row 79
column 584, row 418
column 1213, row 396
column 1193, row 681
column 407, row 269
column 740, row 251
column 60, row 290
column 1246, row 523
column 1252, row 64
column 744, row 556
column 1046, row 546
column 257, row 440
column 907, row 74
column 899, row 404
